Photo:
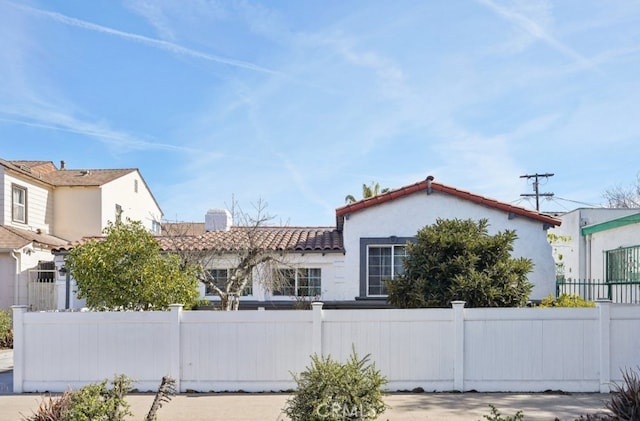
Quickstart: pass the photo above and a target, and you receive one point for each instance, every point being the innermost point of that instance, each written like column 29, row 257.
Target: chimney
column 218, row 220
column 62, row 165
column 429, row 188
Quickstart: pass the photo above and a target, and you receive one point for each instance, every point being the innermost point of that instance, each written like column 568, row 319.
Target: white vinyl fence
column 500, row 350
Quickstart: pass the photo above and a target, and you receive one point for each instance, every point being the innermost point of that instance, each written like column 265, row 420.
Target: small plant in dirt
column 497, row 416
column 625, row 401
column 99, row 402
column 566, row 300
column 6, row 329
column 328, row 390
column 94, row 402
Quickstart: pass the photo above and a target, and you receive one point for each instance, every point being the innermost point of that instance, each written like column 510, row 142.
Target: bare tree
column 624, row 197
column 246, row 250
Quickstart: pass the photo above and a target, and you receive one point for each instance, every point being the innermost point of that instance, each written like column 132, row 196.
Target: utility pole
column 536, row 184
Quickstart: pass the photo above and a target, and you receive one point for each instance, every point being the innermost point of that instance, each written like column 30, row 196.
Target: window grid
column 623, row 264
column 301, row 282
column 384, row 263
column 220, row 277
column 19, row 204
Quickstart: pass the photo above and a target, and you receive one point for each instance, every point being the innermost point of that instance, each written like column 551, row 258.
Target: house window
column 623, row 264
column 118, row 213
column 156, row 228
column 383, row 263
column 220, row 278
column 135, row 186
column 298, row 282
column 46, row 271
column 19, row 204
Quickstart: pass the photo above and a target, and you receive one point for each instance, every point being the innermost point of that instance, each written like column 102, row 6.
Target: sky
column 298, row 103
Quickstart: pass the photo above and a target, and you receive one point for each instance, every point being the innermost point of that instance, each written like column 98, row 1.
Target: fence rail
column 483, row 349
column 625, row 292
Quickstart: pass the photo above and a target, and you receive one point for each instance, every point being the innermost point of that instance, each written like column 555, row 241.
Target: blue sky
column 299, row 103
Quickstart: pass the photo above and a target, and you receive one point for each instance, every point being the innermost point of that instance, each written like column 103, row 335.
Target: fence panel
column 497, row 350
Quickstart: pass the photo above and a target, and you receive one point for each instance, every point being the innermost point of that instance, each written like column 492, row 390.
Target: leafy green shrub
column 98, row 402
column 329, row 390
column 6, row 329
column 566, row 300
column 625, row 401
column 459, row 260
column 497, row 416
column 94, row 402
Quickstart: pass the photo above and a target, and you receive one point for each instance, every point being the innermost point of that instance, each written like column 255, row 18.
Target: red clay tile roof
column 429, row 183
column 13, row 238
column 277, row 239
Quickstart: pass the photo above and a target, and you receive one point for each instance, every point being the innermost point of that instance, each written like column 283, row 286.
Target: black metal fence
column 627, row 292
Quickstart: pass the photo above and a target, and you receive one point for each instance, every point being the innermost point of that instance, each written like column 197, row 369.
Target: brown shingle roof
column 429, row 183
column 47, row 172
column 13, row 238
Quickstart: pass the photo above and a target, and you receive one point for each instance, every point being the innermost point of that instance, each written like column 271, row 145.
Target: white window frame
column 17, row 206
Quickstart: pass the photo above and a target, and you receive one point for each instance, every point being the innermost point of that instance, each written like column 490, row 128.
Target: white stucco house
column 599, row 246
column 43, row 207
column 345, row 265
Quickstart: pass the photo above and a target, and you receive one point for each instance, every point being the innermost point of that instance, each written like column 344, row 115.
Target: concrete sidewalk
column 409, row 407
column 268, row 406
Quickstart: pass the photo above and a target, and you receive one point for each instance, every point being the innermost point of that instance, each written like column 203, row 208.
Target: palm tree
column 371, row 190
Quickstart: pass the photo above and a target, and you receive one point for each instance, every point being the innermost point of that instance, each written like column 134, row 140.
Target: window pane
column 379, row 270
column 399, row 253
column 19, row 204
column 309, row 282
column 285, row 280
column 219, row 278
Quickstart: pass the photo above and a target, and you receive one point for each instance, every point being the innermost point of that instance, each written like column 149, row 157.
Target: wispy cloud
column 537, row 31
column 117, row 140
column 152, row 42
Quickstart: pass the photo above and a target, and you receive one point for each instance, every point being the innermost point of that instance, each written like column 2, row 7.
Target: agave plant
column 625, row 402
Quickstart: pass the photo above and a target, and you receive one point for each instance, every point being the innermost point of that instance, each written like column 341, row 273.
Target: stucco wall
column 611, row 239
column 403, row 217
column 138, row 206
column 330, row 264
column 574, row 248
column 77, row 212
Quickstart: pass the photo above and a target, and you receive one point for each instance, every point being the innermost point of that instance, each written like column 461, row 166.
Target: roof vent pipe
column 62, row 164
column 429, row 188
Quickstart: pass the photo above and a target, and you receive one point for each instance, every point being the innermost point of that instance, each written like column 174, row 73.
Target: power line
column 536, row 184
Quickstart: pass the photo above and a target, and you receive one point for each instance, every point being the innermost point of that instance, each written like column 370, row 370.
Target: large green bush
column 127, row 271
column 329, row 390
column 458, row 260
column 6, row 329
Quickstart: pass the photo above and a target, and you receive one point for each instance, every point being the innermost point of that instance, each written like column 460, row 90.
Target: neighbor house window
column 156, row 228
column 135, row 186
column 220, row 278
column 118, row 213
column 623, row 264
column 19, row 204
column 298, row 282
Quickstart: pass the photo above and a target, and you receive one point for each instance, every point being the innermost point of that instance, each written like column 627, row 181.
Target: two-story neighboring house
column 43, row 207
column 348, row 264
